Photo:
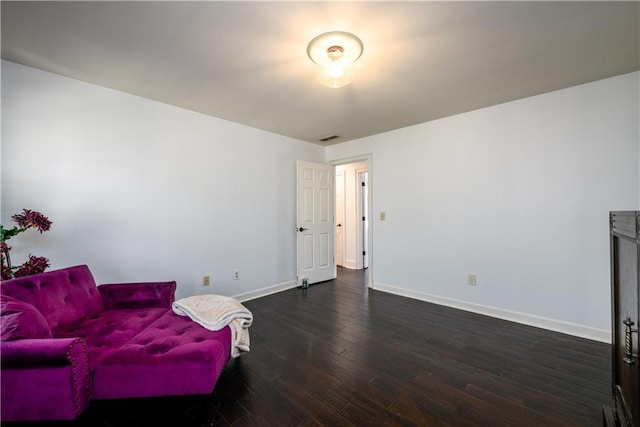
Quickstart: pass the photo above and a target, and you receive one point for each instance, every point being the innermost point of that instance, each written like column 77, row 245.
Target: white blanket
column 214, row 312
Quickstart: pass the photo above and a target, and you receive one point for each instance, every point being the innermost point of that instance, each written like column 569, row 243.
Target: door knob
column 338, row 225
column 301, row 229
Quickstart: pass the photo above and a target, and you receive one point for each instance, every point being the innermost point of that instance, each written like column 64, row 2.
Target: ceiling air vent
column 328, row 138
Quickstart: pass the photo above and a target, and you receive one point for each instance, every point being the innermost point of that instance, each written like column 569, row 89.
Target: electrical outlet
column 206, row 281
column 236, row 275
column 471, row 279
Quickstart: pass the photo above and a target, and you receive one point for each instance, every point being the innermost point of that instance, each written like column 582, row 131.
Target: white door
column 316, row 226
column 340, row 218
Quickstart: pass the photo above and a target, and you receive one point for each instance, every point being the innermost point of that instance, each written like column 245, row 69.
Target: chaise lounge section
column 66, row 341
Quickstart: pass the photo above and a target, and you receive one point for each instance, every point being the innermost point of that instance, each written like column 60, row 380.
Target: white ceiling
column 246, row 61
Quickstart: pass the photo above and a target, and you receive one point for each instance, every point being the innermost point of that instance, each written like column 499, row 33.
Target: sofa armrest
column 138, row 295
column 44, row 379
column 43, row 352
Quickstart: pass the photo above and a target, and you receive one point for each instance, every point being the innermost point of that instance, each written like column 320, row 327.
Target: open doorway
column 352, row 215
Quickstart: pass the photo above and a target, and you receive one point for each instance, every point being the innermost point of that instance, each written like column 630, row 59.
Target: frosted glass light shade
column 335, row 52
column 335, row 76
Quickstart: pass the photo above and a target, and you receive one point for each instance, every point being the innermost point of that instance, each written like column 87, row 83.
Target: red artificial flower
column 4, row 248
column 6, row 272
column 35, row 265
column 29, row 218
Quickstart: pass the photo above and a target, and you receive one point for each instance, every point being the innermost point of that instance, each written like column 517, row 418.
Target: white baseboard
column 350, row 264
column 263, row 292
column 513, row 316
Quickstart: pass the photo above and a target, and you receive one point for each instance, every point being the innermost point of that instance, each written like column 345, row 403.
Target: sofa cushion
column 172, row 356
column 62, row 296
column 105, row 332
column 21, row 320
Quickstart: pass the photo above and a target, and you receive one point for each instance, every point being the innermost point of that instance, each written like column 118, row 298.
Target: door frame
column 368, row 158
column 361, row 238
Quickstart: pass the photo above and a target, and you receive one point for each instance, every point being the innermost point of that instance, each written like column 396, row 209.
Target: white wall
column 518, row 194
column 140, row 190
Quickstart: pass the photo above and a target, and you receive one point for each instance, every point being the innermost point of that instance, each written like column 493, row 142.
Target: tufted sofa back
column 62, row 296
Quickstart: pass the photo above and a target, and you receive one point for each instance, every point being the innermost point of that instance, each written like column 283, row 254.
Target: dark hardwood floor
column 340, row 354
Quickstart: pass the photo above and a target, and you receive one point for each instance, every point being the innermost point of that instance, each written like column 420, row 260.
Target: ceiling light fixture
column 335, row 52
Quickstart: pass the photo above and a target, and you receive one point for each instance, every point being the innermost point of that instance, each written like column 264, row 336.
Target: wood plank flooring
column 339, row 354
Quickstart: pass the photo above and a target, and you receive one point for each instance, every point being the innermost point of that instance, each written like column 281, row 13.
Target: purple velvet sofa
column 66, row 341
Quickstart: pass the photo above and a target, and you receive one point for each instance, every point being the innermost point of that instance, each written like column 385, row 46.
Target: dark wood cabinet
column 625, row 273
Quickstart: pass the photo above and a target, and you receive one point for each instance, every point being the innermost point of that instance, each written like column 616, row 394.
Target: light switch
column 383, row 216
column 471, row 279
